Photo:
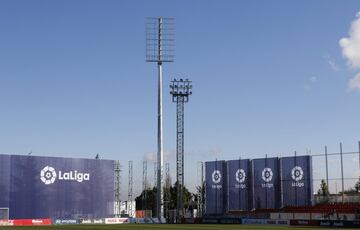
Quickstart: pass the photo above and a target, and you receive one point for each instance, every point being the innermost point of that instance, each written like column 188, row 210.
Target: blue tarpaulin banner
column 53, row 187
column 215, row 187
column 296, row 180
column 266, row 183
column 238, row 184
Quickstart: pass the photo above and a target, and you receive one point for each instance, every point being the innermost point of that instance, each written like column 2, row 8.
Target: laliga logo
column 240, row 175
column 267, row 174
column 48, row 175
column 297, row 173
column 216, row 176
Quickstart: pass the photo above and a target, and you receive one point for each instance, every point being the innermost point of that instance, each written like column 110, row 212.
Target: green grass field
column 164, row 226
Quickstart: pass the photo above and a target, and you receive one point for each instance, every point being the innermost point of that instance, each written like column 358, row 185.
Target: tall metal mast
column 144, row 184
column 159, row 49
column 180, row 91
column 130, row 190
column 117, row 171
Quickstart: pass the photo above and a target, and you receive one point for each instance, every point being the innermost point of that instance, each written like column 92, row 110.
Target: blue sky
column 270, row 77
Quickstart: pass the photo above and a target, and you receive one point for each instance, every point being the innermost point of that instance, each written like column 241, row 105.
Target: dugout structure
column 54, row 187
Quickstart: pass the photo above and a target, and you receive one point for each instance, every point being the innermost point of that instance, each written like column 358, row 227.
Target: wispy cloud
column 354, row 83
column 350, row 47
column 335, row 67
column 311, row 81
column 152, row 156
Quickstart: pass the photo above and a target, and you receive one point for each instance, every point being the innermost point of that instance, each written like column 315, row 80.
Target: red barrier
column 31, row 222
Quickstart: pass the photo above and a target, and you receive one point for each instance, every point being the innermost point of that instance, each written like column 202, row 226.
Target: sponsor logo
column 338, row 224
column 325, row 223
column 216, row 176
column 240, row 175
column 58, row 221
column 297, row 175
column 242, row 186
column 98, row 221
column 267, row 176
column 36, row 221
column 86, row 221
column 48, row 175
column 303, row 222
column 116, row 220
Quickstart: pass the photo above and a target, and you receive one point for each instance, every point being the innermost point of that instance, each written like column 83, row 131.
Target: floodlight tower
column 180, row 91
column 159, row 49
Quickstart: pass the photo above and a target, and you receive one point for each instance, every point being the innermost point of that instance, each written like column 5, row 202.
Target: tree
column 324, row 191
column 353, row 190
column 357, row 186
column 147, row 201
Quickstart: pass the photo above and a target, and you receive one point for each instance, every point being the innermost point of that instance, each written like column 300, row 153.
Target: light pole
column 159, row 49
column 180, row 91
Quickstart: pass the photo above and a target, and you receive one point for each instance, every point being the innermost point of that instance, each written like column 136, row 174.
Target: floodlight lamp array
column 181, row 88
column 160, row 39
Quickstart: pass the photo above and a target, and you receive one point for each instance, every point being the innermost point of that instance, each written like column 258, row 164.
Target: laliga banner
column 266, row 183
column 215, row 187
column 296, row 178
column 238, row 184
column 43, row 187
column 4, row 180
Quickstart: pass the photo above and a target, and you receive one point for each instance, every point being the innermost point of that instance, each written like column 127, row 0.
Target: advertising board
column 266, row 183
column 296, row 180
column 238, row 185
column 215, row 187
column 43, row 187
column 116, row 220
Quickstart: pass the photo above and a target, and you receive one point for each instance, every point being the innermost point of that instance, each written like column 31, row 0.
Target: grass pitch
column 162, row 227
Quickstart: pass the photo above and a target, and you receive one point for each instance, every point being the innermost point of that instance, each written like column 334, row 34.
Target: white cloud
column 313, row 79
column 351, row 45
column 354, row 83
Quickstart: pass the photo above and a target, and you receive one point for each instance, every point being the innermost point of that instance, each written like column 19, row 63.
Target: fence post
column 342, row 174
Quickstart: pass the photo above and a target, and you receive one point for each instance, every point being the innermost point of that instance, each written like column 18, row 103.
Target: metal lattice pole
column 144, row 184
column 159, row 49
column 180, row 91
column 167, row 195
column 117, row 203
column 130, row 189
